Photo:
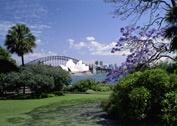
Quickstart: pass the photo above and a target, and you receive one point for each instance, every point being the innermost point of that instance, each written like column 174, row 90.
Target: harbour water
column 98, row 77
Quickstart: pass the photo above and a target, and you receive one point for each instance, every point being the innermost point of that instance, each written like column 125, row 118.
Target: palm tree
column 20, row 40
column 171, row 32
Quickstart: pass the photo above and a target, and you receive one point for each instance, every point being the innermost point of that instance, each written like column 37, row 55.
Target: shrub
column 169, row 109
column 139, row 99
column 7, row 66
column 6, row 62
column 50, row 95
column 90, row 84
column 43, row 95
column 102, row 87
column 38, row 78
column 58, row 93
column 90, row 91
column 156, row 80
column 84, row 85
column 144, row 97
column 2, row 85
column 61, row 77
column 41, row 83
column 173, row 82
column 12, row 82
column 117, row 104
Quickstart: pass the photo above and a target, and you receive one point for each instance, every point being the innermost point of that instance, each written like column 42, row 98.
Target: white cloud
column 70, row 40
column 96, row 48
column 36, row 29
column 90, row 38
column 38, row 41
column 25, row 12
column 4, row 27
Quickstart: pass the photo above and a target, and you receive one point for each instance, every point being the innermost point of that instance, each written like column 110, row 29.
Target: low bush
column 139, row 99
column 144, row 97
column 84, row 85
column 60, row 76
column 102, row 87
column 6, row 62
column 90, row 91
column 58, row 93
column 40, row 84
column 90, row 84
column 36, row 79
column 169, row 109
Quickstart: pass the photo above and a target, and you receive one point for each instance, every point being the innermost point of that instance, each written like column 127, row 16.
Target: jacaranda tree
column 145, row 47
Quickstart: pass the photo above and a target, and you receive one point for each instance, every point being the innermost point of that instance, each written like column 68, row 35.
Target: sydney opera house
column 75, row 68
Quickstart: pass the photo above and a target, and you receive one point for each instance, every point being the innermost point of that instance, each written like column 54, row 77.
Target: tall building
column 96, row 63
column 101, row 63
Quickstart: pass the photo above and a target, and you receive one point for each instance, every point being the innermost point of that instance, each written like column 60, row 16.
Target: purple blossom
column 142, row 45
column 122, row 30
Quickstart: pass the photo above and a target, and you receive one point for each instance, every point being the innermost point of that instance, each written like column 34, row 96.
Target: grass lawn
column 68, row 110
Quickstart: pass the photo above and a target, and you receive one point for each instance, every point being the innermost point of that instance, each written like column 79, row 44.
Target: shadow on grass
column 82, row 114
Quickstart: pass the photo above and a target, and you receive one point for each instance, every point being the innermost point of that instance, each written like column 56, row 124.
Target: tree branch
column 173, row 3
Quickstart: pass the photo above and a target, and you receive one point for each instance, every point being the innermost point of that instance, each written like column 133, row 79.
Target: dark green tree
column 20, row 40
column 171, row 32
column 6, row 62
column 4, row 53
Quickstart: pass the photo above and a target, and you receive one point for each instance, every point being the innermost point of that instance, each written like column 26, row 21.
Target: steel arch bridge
column 53, row 60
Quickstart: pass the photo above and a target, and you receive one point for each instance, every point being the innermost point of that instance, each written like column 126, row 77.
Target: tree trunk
column 24, row 89
column 22, row 57
column 23, row 64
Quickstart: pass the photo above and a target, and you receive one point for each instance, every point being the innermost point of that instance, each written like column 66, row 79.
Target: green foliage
column 171, row 32
column 169, row 67
column 58, row 93
column 169, row 109
column 139, row 99
column 90, row 84
column 2, row 85
column 143, row 97
column 12, row 82
column 40, row 84
column 61, row 77
column 4, row 54
column 171, row 15
column 155, row 80
column 117, row 105
column 90, row 91
column 37, row 79
column 6, row 62
column 7, row 66
column 103, row 87
column 84, row 85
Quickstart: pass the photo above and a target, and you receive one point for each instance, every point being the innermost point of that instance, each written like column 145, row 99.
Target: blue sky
column 83, row 29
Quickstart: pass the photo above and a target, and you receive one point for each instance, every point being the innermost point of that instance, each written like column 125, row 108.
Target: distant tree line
column 36, row 79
